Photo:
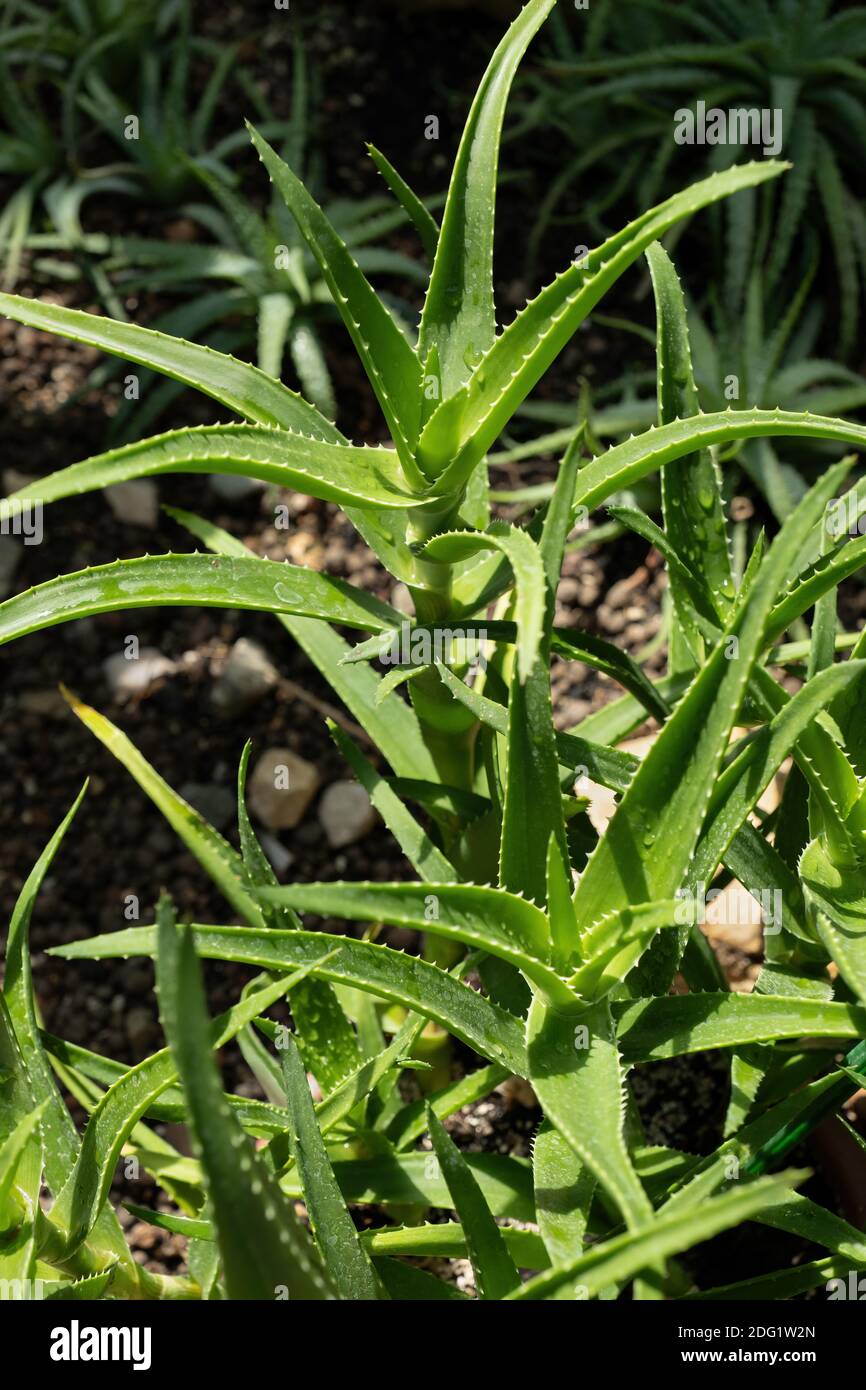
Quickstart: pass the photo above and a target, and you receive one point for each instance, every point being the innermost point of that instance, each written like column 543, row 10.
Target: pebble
column 231, row 488
column 136, row 503
column 128, row 677
column 346, row 813
column 281, row 788
column 401, row 599
column 278, row 856
column 246, row 677
column 13, row 481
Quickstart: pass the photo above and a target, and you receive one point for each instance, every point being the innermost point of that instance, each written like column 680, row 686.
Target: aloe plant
column 256, row 282
column 251, row 279
column 613, row 84
column 551, row 947
column 121, row 75
column 761, row 360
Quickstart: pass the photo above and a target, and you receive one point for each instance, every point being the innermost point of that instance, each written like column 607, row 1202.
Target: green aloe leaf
column 12, row 1151
column 468, row 423
column 389, row 361
column 610, row 944
column 410, row 1284
column 820, row 579
column 459, row 317
column 361, row 1083
column 242, row 388
column 410, row 1121
column 20, row 1158
column 846, row 713
column 575, row 1069
column 755, row 863
column 346, row 1260
column 60, row 1141
column 833, row 784
column 156, row 581
column 534, row 863
column 190, row 1226
column 266, row 1252
column 691, row 487
column 391, row 723
column 495, row 1272
column 255, row 1115
column 449, row 1240
column 419, row 849
column 569, row 643
column 744, row 780
column 486, row 919
column 60, row 1138
column 424, row 222
column 605, row 657
column 647, row 848
column 328, row 1039
column 389, row 974
column 564, row 1190
column 608, row 766
column 88, row 1289
column 626, row 463
column 836, row 899
column 216, row 856
column 81, row 1199
column 669, row 1027
column 524, row 558
column 780, row 1284
column 560, row 909
column 619, row 1259
column 410, row 1179
column 750, row 858
column 765, row 1141
column 275, row 314
column 354, row 477
column 805, row 1218
column 697, row 607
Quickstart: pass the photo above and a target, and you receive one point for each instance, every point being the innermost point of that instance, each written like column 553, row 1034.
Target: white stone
column 346, row 813
column 13, row 481
column 129, row 677
column 248, row 675
column 402, row 599
column 136, row 503
column 279, row 857
column 231, row 487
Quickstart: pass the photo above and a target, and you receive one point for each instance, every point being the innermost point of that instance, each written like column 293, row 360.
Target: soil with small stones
column 119, row 848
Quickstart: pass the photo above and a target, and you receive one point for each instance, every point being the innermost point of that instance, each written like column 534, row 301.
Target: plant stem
column 448, row 727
